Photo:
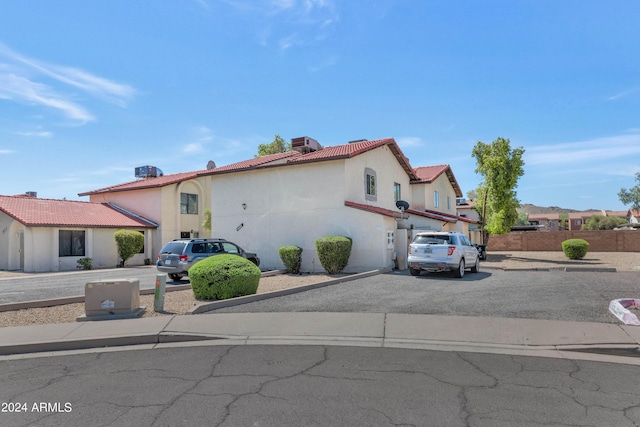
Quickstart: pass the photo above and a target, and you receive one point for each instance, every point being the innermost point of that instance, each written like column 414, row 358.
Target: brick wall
column 599, row 241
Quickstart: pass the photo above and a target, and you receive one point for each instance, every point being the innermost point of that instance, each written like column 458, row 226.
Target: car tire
column 459, row 272
column 414, row 271
column 476, row 267
column 174, row 277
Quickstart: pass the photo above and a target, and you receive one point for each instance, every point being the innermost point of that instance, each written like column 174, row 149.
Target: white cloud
column 6, row 151
column 21, row 80
column 289, row 22
column 409, row 142
column 23, row 90
column 194, row 147
column 623, row 94
column 36, row 134
column 575, row 153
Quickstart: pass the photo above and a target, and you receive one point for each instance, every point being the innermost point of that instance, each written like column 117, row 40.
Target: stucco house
column 39, row 235
column 293, row 198
column 349, row 190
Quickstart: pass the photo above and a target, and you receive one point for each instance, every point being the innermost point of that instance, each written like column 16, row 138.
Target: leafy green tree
column 278, row 145
column 501, row 167
column 632, row 195
column 564, row 221
column 206, row 224
column 600, row 222
column 523, row 219
column 129, row 243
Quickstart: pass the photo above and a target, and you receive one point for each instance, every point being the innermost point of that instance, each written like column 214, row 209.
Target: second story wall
column 389, row 178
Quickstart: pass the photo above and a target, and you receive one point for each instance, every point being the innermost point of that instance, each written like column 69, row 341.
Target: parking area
column 559, row 295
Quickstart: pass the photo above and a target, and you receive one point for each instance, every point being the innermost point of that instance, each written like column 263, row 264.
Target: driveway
column 558, row 295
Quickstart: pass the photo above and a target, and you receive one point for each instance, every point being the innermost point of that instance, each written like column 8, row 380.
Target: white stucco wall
column 388, row 171
column 295, row 205
column 162, row 205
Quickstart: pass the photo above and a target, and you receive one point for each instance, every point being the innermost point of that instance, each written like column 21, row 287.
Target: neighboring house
column 349, row 190
column 293, row 198
column 39, row 235
column 175, row 202
column 575, row 220
column 634, row 216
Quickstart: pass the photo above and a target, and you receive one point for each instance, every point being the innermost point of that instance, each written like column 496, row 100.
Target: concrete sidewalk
column 547, row 338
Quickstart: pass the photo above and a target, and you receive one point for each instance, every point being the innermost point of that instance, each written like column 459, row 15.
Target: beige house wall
column 162, row 205
column 388, row 171
column 297, row 204
column 423, row 195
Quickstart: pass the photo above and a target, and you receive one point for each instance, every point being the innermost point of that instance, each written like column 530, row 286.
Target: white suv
column 442, row 251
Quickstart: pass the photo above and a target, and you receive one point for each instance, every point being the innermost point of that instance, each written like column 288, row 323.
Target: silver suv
column 442, row 251
column 177, row 256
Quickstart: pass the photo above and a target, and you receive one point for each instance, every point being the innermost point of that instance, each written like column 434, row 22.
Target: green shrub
column 129, row 243
column 224, row 276
column 85, row 264
column 334, row 253
column 575, row 248
column 291, row 257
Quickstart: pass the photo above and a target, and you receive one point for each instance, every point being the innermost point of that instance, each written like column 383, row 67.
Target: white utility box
column 119, row 296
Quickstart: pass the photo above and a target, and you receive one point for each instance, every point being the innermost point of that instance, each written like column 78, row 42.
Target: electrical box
column 391, row 239
column 111, row 297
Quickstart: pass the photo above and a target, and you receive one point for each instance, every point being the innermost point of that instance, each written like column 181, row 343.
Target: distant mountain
column 533, row 209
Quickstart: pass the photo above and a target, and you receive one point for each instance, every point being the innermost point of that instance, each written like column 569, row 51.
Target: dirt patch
column 177, row 302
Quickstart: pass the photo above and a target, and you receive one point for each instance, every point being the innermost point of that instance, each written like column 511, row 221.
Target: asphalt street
column 314, row 385
column 579, row 296
column 69, row 284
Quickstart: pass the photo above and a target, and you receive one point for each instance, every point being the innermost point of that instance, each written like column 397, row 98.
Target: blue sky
column 90, row 90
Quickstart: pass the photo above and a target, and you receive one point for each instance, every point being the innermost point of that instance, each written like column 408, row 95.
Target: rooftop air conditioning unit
column 148, row 172
column 304, row 144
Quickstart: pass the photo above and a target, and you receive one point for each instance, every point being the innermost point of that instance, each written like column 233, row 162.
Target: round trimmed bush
column 575, row 248
column 291, row 257
column 334, row 252
column 224, row 276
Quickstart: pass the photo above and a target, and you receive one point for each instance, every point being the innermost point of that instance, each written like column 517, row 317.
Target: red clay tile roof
column 160, row 181
column 277, row 158
column 289, row 157
column 374, row 209
column 36, row 212
column 428, row 174
column 353, row 149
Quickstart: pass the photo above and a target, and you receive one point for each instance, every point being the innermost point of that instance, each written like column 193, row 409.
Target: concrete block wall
column 599, row 241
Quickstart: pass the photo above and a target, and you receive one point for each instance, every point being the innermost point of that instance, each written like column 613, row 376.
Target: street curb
column 561, row 269
column 232, row 302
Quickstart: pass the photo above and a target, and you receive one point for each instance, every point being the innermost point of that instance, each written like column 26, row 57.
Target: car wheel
column 459, row 272
column 174, row 277
column 414, row 271
column 476, row 267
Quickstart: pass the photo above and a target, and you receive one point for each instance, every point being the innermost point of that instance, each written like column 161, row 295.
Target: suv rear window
column 432, row 240
column 173, row 248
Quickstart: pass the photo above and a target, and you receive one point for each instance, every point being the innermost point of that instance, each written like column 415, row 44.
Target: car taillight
column 410, row 248
column 183, row 257
column 159, row 256
column 451, row 250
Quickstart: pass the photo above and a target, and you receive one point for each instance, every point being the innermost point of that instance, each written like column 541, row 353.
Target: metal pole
column 158, row 296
